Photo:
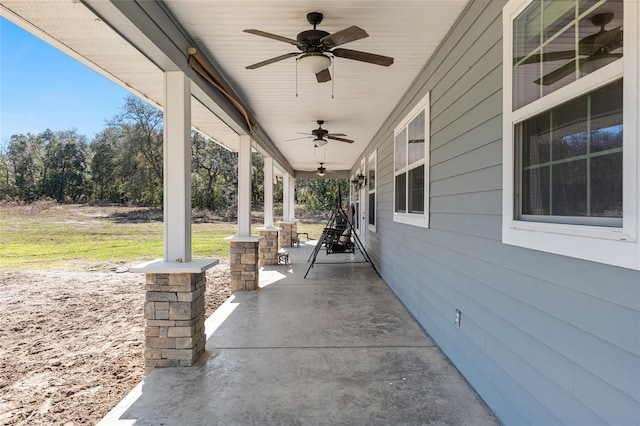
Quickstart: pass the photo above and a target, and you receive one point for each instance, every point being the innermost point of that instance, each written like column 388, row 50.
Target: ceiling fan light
column 314, row 62
column 321, row 173
column 318, row 142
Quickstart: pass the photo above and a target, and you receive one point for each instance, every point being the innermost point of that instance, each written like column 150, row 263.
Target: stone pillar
column 174, row 313
column 268, row 246
column 244, row 260
column 288, row 231
column 294, row 230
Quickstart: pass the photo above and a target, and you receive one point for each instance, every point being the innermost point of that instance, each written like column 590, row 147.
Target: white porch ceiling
column 364, row 94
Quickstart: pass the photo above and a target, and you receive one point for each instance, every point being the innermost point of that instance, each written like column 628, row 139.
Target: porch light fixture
column 318, row 142
column 314, row 62
column 321, row 170
column 362, row 180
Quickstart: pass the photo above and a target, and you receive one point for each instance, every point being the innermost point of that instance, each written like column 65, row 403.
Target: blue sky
column 42, row 88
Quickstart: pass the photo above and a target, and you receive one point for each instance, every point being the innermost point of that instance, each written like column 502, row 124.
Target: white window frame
column 415, row 219
column 372, row 158
column 613, row 246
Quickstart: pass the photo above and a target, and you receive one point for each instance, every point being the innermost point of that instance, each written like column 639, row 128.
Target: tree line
column 123, row 164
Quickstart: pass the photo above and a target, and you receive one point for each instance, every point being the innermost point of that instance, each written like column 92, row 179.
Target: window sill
column 411, row 219
column 608, row 246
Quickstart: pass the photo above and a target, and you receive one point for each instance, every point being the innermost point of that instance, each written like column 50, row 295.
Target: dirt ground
column 70, row 362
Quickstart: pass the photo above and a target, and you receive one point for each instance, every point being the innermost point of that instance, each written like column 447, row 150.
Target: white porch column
column 177, row 167
column 244, row 187
column 175, row 286
column 268, row 192
column 292, row 199
column 286, row 200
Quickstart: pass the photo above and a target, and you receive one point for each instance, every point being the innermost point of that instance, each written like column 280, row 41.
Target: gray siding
column 544, row 339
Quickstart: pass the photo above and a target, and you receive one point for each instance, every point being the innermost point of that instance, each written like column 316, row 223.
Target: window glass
column 416, row 190
column 400, row 150
column 571, row 158
column 372, row 174
column 569, row 136
column 372, row 213
column 556, row 42
column 416, row 138
column 401, row 193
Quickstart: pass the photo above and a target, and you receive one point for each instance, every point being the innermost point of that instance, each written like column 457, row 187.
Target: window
column 570, row 156
column 411, row 167
column 356, row 205
column 371, row 189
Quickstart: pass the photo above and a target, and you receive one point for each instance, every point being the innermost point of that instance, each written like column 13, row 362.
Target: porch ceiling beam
column 150, row 27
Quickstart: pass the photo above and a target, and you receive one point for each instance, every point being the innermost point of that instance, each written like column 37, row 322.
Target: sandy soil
column 72, row 343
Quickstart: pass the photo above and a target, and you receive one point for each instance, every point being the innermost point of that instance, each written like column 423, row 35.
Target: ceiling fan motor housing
column 319, row 133
column 310, row 40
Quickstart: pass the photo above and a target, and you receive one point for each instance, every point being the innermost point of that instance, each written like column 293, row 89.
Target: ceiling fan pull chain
column 296, row 77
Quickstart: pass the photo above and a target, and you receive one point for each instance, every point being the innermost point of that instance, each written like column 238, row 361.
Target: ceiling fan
column 596, row 47
column 318, row 46
column 321, row 171
column 321, row 135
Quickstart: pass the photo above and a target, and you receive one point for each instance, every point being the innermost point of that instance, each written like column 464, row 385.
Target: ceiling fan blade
column 271, row 61
column 347, row 35
column 546, row 57
column 323, row 76
column 336, row 134
column 274, row 37
column 607, row 39
column 297, row 139
column 558, row 74
column 356, row 55
column 335, row 138
column 591, row 44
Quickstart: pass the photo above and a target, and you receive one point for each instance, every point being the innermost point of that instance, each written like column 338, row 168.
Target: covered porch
column 334, row 348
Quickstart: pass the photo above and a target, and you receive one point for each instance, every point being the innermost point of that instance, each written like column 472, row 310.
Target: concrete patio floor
column 335, row 348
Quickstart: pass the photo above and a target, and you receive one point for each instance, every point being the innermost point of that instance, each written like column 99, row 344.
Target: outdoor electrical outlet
column 458, row 316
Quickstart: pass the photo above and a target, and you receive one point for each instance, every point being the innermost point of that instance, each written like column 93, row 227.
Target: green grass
column 71, row 237
column 313, row 229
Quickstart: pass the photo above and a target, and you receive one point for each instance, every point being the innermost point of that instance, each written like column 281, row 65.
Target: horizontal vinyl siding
column 544, row 339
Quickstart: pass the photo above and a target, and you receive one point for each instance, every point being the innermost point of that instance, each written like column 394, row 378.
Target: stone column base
column 174, row 313
column 288, row 232
column 268, row 246
column 244, row 261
